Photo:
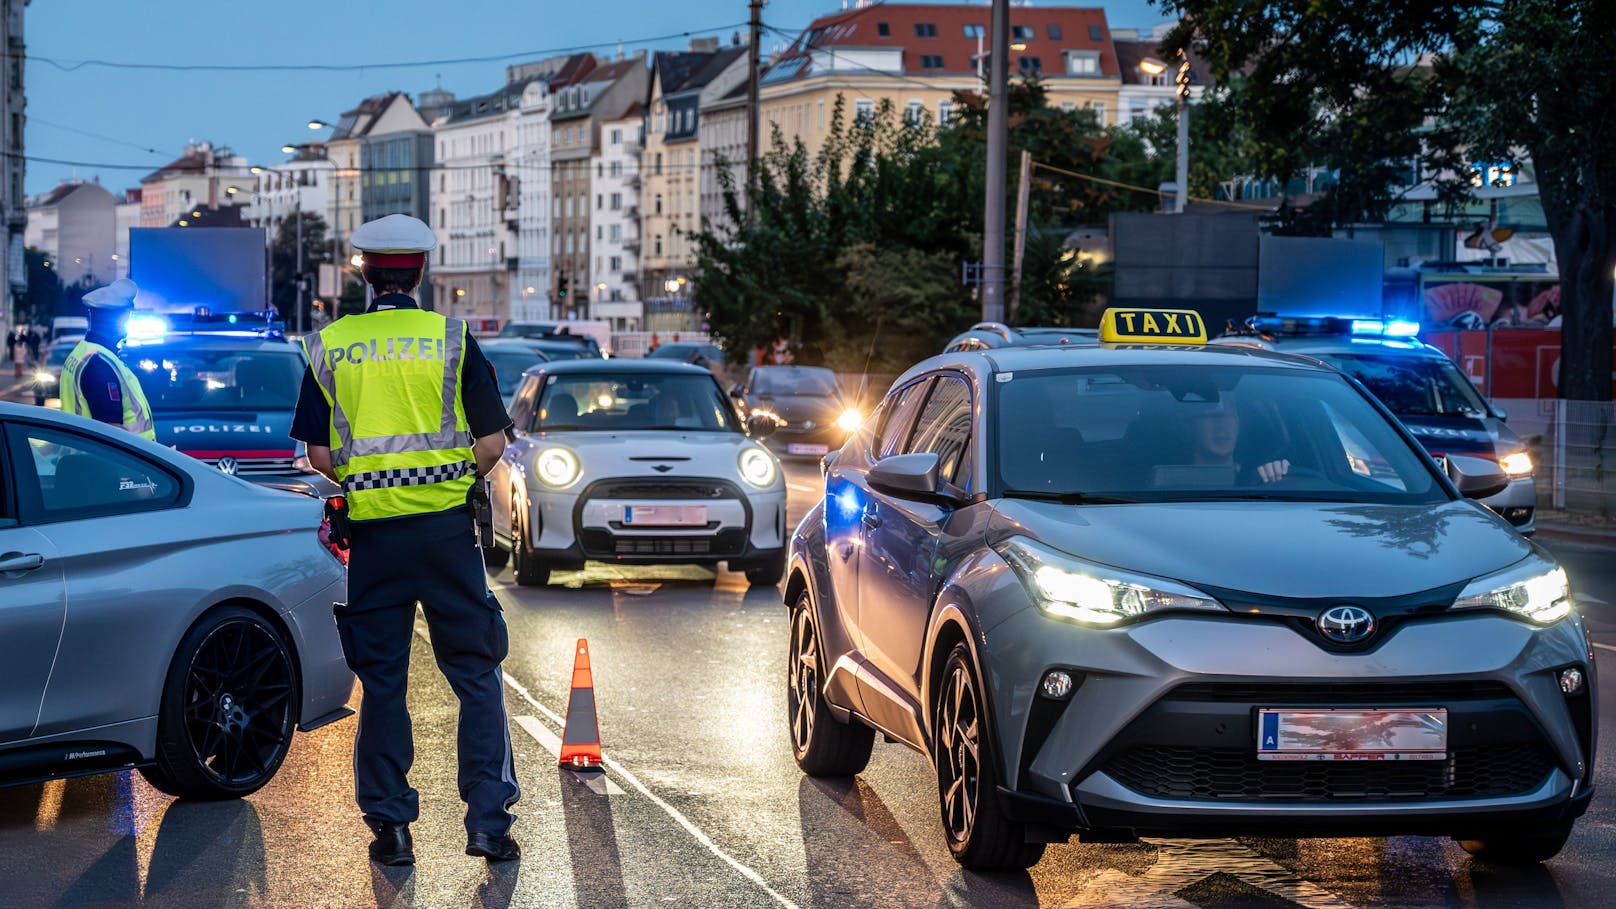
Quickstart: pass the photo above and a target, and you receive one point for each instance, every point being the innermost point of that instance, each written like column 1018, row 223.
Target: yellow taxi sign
column 1152, row 326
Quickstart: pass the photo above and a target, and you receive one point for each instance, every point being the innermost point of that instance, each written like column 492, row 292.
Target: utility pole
column 1022, row 188
column 1183, row 164
column 998, row 139
column 297, row 215
column 753, row 55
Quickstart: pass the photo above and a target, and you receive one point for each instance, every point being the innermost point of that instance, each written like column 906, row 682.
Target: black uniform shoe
column 392, row 845
column 494, row 847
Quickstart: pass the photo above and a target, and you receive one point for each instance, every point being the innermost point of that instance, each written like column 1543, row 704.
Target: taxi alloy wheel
column 821, row 744
column 529, row 571
column 979, row 835
column 228, row 709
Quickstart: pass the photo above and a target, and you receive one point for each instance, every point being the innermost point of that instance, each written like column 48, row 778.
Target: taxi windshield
column 1413, row 386
column 581, row 402
column 1188, row 433
column 217, row 379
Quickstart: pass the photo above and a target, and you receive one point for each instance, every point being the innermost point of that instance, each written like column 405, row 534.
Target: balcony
column 632, row 179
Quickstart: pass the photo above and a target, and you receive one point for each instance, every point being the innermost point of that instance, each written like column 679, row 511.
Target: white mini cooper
column 635, row 462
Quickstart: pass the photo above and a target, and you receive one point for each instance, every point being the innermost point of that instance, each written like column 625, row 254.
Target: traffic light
column 561, row 287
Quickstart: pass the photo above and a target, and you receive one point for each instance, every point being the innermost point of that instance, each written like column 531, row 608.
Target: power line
column 93, row 135
column 69, row 66
column 1144, row 189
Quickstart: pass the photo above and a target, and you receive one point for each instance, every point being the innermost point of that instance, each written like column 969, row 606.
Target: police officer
column 94, row 382
column 401, row 409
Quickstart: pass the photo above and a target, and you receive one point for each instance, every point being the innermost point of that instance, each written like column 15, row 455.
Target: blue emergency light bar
column 1333, row 325
column 152, row 328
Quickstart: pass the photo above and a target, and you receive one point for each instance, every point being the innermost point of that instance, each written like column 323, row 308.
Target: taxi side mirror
column 908, row 476
column 1476, row 478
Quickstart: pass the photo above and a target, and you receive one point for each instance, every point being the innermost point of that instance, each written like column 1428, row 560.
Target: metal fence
column 1577, row 458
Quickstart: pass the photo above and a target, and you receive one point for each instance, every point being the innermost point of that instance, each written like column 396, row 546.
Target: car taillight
column 341, row 555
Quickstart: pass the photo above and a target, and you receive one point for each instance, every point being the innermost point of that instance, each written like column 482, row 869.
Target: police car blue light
column 1389, row 328
column 144, row 326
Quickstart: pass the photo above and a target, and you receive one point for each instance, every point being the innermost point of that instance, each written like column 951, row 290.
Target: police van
column 1419, row 384
column 223, row 388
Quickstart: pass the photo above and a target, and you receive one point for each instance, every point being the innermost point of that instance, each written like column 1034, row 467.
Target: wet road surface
column 701, row 804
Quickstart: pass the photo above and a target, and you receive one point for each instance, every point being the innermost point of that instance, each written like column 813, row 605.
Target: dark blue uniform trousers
column 433, row 560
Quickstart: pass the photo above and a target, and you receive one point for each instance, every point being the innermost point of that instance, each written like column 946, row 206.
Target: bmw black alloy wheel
column 238, row 703
column 959, row 749
column 802, row 692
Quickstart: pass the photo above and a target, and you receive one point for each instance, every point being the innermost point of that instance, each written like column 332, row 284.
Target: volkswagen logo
column 1346, row 624
column 228, row 466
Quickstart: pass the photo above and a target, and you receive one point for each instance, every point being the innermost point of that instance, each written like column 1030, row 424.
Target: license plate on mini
column 1352, row 735
column 665, row 515
column 804, row 448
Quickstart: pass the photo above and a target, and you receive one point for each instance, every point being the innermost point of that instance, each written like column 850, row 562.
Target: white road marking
column 1606, row 647
column 597, row 782
column 813, row 491
column 634, row 782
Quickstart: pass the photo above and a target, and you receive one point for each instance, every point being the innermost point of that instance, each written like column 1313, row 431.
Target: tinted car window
column 1414, row 386
column 1166, row 433
column 900, row 408
column 944, row 428
column 509, row 366
column 69, row 476
column 582, row 402
column 794, row 380
column 228, row 379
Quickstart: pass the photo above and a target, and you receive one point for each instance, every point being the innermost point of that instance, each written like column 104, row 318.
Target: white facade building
column 125, row 215
column 196, row 181
column 301, row 184
column 615, row 225
column 74, row 225
column 528, row 169
column 470, row 190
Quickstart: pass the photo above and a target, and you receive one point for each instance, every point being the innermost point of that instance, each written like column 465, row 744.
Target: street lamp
column 317, row 123
column 1150, row 66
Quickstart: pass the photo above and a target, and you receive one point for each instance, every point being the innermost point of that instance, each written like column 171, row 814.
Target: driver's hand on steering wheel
column 1274, row 471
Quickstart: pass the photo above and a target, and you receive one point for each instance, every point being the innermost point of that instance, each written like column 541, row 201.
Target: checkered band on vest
column 409, row 476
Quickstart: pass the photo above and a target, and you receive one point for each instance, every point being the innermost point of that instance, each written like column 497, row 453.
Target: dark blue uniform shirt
column 99, row 385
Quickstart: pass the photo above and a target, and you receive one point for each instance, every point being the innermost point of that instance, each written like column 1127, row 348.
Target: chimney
column 735, row 39
column 703, row 45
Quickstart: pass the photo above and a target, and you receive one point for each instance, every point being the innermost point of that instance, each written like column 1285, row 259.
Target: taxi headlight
column 850, row 420
column 45, row 377
column 757, row 467
column 1092, row 594
column 557, row 467
column 1518, row 464
column 1535, row 590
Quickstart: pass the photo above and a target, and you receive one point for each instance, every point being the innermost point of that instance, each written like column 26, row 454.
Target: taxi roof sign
column 1152, row 326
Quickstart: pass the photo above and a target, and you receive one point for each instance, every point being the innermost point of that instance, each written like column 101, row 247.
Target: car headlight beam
column 1518, row 464
column 557, row 467
column 850, row 420
column 1090, row 594
column 757, row 467
column 1535, row 590
column 45, row 377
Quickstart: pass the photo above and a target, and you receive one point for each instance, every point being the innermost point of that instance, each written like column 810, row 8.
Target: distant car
column 991, row 335
column 593, row 335
column 1418, row 383
column 635, row 462
column 47, row 379
column 156, row 613
column 814, row 415
column 687, row 353
column 510, row 359
column 226, row 398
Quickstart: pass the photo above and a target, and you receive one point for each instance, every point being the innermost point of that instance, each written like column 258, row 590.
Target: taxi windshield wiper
column 1068, row 498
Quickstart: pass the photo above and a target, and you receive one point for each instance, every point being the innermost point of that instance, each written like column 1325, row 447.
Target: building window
column 1082, row 63
column 1096, row 33
column 1030, row 64
column 945, row 109
column 1022, row 32
column 658, row 169
column 658, row 244
column 600, row 201
column 615, row 233
column 658, row 209
column 975, row 31
column 931, row 61
column 617, row 263
column 925, row 30
column 1054, row 32
column 914, row 112
column 882, row 29
column 617, row 137
column 617, row 201
column 1099, row 111
column 864, row 112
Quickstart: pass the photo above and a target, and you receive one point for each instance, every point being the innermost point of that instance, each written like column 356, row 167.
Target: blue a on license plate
column 1408, row 734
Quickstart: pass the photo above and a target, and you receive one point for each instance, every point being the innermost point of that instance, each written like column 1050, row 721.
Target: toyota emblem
column 228, row 466
column 1346, row 624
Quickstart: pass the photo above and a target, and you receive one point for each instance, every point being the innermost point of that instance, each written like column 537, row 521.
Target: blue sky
column 143, row 118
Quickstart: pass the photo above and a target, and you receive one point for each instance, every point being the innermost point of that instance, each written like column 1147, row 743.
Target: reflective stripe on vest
column 137, row 415
column 400, row 444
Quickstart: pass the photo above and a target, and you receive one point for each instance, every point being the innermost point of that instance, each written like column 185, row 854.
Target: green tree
column 38, row 305
column 1367, row 88
column 283, row 272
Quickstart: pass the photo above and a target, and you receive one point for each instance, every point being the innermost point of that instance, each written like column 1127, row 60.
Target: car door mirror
column 1476, row 478
column 736, row 391
column 908, row 476
column 762, row 425
column 826, row 461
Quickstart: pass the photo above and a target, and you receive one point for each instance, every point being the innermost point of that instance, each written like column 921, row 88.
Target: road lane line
column 634, row 781
column 1606, row 647
column 598, row 782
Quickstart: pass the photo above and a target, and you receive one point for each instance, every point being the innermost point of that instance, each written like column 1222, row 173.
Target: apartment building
column 302, row 183
column 471, row 193
column 13, row 268
column 198, row 181
column 75, row 225
column 615, row 223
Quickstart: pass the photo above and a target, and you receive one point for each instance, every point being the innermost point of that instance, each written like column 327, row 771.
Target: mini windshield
column 795, row 380
column 1413, row 386
column 217, row 379
column 1185, row 433
column 620, row 403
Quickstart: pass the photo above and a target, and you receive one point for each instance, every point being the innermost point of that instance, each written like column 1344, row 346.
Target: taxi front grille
column 247, row 467
column 1234, row 774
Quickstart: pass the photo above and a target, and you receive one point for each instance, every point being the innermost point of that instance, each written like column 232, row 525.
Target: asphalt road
column 701, row 804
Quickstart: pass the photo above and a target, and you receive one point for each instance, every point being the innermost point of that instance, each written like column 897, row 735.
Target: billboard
column 182, row 268
column 1320, row 276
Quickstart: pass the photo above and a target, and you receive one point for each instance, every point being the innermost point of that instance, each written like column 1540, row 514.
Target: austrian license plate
column 805, row 448
column 1352, row 735
column 665, row 515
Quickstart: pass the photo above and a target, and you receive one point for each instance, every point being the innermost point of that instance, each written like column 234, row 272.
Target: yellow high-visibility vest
column 137, row 415
column 400, row 444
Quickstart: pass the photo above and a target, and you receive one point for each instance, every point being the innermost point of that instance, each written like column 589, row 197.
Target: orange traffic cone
column 580, row 740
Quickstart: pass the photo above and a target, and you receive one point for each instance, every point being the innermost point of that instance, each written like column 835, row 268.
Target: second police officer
column 401, row 409
column 94, row 382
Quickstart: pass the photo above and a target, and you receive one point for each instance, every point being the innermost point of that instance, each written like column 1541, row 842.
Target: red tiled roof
column 1078, row 28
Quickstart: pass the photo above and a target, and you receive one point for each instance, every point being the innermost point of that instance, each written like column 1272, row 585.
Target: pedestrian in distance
column 400, row 408
column 33, row 345
column 11, row 344
column 94, row 382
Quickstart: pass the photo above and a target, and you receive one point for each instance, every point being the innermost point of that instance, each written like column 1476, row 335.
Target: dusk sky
column 143, row 117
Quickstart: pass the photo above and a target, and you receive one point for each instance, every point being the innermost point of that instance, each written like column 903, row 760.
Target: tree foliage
column 283, row 270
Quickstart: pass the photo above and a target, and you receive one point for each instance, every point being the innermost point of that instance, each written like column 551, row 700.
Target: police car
column 1420, row 384
column 1155, row 587
column 223, row 388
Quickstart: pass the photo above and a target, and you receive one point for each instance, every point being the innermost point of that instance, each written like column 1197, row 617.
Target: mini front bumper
column 570, row 527
column 1131, row 752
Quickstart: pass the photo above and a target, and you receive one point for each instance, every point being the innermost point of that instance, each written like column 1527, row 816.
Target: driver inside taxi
column 1214, row 437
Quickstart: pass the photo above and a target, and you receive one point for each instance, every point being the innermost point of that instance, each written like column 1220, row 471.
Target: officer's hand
column 1274, row 471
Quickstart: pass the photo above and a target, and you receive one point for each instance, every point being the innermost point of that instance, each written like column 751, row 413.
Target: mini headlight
column 44, row 377
column 1518, row 464
column 850, row 420
column 1535, row 590
column 1091, row 594
column 757, row 467
column 557, row 467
